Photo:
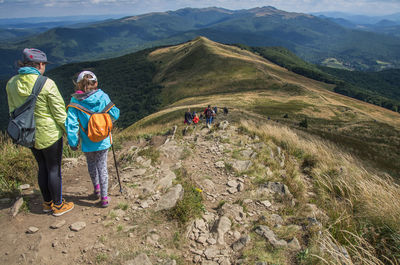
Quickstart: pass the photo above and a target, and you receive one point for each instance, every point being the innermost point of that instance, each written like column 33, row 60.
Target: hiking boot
column 63, row 208
column 47, row 206
column 105, row 202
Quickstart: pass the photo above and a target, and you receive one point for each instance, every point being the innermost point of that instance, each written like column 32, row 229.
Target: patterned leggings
column 97, row 166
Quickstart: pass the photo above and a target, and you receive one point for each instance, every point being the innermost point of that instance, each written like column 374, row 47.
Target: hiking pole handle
column 116, row 168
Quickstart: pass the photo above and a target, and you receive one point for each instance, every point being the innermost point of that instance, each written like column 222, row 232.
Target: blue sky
column 50, row 8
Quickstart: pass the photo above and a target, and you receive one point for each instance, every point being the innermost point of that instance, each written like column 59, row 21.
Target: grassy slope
column 204, row 72
column 361, row 203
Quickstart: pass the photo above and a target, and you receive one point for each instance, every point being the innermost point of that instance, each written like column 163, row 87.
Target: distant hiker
column 208, row 112
column 215, row 110
column 196, row 119
column 225, row 111
column 188, row 117
column 86, row 100
column 49, row 116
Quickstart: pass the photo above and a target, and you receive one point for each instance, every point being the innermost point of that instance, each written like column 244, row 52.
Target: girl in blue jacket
column 89, row 96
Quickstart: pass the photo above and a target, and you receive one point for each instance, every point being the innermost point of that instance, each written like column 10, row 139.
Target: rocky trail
column 241, row 215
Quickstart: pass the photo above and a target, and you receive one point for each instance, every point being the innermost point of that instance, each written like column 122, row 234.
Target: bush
column 191, row 206
column 304, row 123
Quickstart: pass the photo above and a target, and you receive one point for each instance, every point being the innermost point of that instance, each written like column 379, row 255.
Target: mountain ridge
column 311, row 38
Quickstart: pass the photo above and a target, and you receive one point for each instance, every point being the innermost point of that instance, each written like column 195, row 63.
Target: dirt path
column 133, row 230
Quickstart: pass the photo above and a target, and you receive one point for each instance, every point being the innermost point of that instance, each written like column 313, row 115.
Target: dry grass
column 15, row 166
column 352, row 197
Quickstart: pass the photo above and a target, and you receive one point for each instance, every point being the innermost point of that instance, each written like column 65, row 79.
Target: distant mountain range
column 14, row 29
column 360, row 19
column 313, row 39
column 389, row 24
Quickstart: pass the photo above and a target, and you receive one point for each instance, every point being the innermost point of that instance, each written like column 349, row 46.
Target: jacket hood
column 25, row 84
column 83, row 96
column 91, row 100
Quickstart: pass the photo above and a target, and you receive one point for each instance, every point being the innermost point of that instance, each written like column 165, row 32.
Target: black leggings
column 49, row 175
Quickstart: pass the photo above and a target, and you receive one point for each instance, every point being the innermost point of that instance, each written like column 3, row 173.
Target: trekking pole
column 116, row 168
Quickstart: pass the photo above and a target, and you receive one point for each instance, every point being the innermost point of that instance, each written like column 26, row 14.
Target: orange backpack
column 100, row 123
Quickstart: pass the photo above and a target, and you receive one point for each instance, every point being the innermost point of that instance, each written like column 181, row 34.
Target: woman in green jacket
column 49, row 116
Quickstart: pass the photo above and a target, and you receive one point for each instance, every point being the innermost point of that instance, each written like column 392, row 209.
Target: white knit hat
column 82, row 74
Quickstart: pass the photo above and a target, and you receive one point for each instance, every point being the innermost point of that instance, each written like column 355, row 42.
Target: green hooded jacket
column 50, row 114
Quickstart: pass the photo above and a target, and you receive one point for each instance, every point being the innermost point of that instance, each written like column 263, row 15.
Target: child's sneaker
column 63, row 208
column 105, row 201
column 47, row 206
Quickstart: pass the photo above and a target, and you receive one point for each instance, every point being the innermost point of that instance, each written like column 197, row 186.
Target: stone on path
column 248, row 153
column 223, row 124
column 277, row 188
column 223, row 226
column 232, row 190
column 58, row 224
column 201, row 225
column 219, row 164
column 166, row 181
column 294, row 244
column 17, row 205
column 232, row 183
column 24, row 186
column 140, row 259
column 78, row 226
column 241, row 243
column 211, row 252
column 241, row 165
column 276, row 219
column 267, row 233
column 208, row 186
column 266, row 203
column 232, row 211
column 32, row 230
column 169, row 199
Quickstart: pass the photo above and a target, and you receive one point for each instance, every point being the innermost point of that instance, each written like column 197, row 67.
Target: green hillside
column 380, row 88
column 311, row 38
column 201, row 71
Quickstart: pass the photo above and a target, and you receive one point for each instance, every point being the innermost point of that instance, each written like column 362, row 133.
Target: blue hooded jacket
column 95, row 101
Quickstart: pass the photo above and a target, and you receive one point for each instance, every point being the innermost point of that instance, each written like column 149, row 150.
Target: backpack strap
column 108, row 107
column 79, row 107
column 39, row 85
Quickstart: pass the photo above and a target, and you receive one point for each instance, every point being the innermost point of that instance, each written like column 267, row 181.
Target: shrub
column 191, row 206
column 304, row 123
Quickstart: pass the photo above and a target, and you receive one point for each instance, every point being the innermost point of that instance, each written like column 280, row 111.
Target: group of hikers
column 53, row 120
column 209, row 114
